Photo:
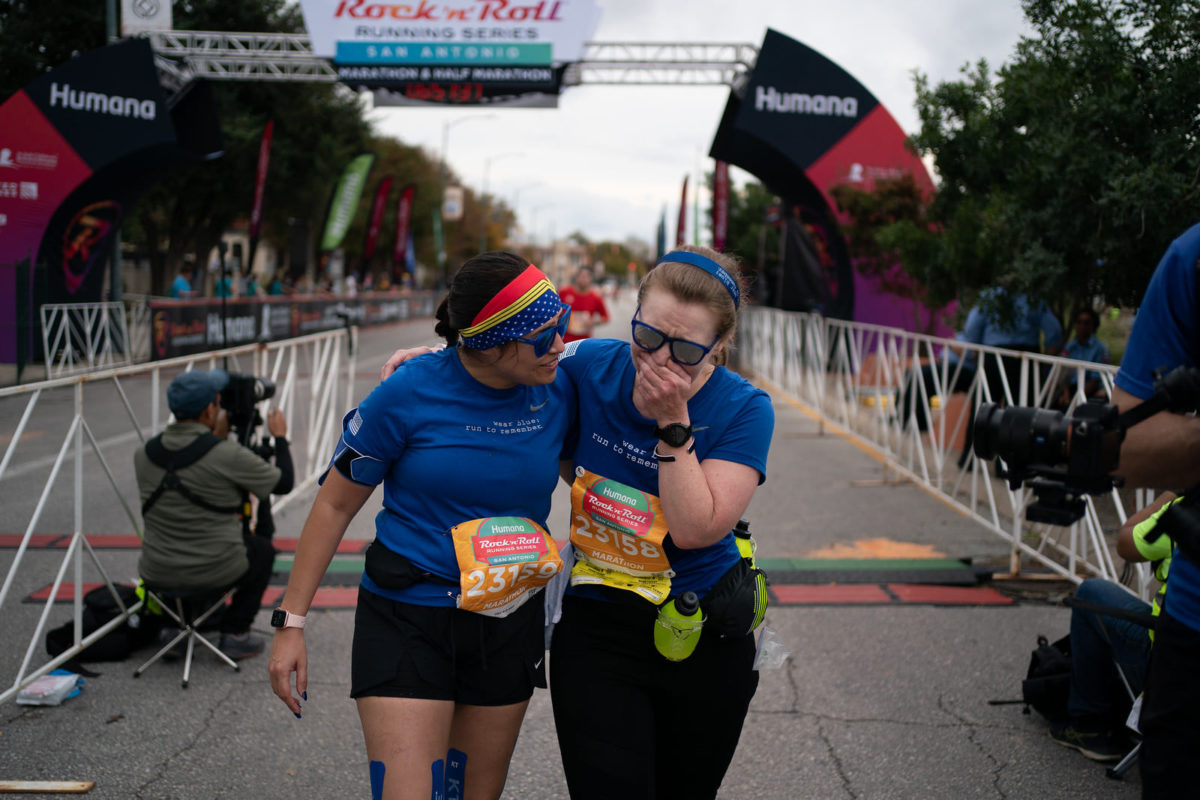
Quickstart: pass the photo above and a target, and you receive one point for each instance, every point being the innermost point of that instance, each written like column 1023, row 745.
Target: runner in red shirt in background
column 587, row 306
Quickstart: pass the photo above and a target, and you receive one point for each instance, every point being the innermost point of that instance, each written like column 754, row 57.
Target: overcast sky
column 609, row 157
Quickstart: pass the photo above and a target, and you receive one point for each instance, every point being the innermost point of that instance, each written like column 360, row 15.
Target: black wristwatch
column 674, row 435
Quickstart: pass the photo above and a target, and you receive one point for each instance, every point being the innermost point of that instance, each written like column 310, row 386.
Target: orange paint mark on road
column 5, row 438
column 877, row 548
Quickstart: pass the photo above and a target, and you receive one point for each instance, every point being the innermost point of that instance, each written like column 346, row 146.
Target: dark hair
column 479, row 279
column 693, row 285
column 1091, row 312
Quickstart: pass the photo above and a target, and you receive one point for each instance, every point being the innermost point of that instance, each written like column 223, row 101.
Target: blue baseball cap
column 190, row 393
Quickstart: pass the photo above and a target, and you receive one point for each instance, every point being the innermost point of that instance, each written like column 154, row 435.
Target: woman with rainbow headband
column 447, row 650
column 672, row 446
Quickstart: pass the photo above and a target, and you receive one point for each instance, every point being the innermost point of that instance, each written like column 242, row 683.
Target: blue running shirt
column 449, row 449
column 733, row 421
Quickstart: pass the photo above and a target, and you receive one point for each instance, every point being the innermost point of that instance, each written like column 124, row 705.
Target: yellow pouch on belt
column 502, row 561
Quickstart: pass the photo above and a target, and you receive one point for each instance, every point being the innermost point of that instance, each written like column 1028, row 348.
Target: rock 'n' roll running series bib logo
column 619, row 506
column 507, row 540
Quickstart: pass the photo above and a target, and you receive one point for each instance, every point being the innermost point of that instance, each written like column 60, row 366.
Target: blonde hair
column 690, row 284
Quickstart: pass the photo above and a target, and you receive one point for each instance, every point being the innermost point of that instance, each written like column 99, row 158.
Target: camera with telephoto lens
column 1064, row 457
column 240, row 399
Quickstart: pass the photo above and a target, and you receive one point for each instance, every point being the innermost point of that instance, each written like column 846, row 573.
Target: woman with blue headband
column 672, row 446
column 467, row 444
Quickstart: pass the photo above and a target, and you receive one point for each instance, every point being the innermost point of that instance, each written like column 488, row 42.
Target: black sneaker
column 241, row 645
column 1098, row 744
column 177, row 652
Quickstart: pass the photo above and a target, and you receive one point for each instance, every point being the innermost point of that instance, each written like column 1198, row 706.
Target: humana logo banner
column 768, row 98
column 96, row 102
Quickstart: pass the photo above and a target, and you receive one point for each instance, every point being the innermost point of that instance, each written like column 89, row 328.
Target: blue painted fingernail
column 297, row 713
column 304, row 695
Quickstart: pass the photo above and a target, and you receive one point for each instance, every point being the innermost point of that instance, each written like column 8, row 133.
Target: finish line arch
column 802, row 125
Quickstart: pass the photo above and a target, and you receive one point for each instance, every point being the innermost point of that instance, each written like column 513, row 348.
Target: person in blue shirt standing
column 1084, row 347
column 467, row 444
column 224, row 287
column 1161, row 452
column 181, row 287
column 672, row 446
column 1031, row 326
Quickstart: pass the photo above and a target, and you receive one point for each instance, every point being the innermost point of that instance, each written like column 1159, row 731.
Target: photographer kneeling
column 197, row 533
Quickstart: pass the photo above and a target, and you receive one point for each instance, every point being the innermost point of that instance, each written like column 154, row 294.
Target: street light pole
column 487, row 163
column 446, row 126
column 516, row 206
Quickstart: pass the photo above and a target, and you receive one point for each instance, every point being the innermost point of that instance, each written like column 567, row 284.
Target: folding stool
column 178, row 605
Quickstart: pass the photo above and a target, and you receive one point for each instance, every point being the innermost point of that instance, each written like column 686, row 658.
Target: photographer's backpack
column 1048, row 681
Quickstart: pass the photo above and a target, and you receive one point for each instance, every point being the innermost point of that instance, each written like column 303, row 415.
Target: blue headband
column 709, row 266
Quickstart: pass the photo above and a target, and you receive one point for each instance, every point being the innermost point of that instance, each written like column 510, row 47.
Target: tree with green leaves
column 1066, row 174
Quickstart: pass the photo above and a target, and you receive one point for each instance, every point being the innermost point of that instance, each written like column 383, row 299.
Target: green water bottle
column 677, row 629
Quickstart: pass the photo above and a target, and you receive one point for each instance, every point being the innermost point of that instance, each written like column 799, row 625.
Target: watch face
column 278, row 617
column 675, row 435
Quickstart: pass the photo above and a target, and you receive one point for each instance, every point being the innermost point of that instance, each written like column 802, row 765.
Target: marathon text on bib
column 503, row 561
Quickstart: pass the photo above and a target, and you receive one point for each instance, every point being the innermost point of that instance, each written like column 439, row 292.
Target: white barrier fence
column 314, row 383
column 82, row 337
column 907, row 396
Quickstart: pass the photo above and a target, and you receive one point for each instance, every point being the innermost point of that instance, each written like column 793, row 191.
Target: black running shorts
column 440, row 653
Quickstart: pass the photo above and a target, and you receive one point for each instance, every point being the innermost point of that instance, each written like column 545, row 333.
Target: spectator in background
column 276, row 289
column 252, row 287
column 1031, row 321
column 181, row 287
column 1084, row 347
column 224, row 287
column 587, row 306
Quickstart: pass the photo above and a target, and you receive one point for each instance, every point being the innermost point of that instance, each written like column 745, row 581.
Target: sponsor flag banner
column 260, row 185
column 376, row 218
column 404, row 207
column 345, row 201
column 660, row 241
column 439, row 244
column 452, row 204
column 720, row 205
column 410, row 256
column 681, row 227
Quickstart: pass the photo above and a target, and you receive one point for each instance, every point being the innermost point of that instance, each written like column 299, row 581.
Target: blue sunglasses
column 682, row 351
column 545, row 340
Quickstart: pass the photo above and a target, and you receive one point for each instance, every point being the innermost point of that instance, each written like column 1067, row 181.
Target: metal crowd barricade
column 80, row 337
column 852, row 376
column 314, row 383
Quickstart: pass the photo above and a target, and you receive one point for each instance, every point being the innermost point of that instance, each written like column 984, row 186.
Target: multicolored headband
column 526, row 303
column 709, row 266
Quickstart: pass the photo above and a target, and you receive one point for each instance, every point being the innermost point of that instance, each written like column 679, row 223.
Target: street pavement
column 883, row 700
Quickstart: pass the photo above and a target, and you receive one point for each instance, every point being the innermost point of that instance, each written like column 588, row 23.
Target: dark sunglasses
column 683, row 352
column 545, row 340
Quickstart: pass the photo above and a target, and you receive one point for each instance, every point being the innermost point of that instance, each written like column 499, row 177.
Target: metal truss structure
column 182, row 55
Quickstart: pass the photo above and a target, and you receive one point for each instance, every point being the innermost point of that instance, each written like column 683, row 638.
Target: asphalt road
column 876, row 701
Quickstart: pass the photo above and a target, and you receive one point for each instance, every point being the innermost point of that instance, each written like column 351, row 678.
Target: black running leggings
column 632, row 724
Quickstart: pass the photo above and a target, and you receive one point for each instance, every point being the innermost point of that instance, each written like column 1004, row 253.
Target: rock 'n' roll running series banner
column 458, row 52
column 78, row 147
